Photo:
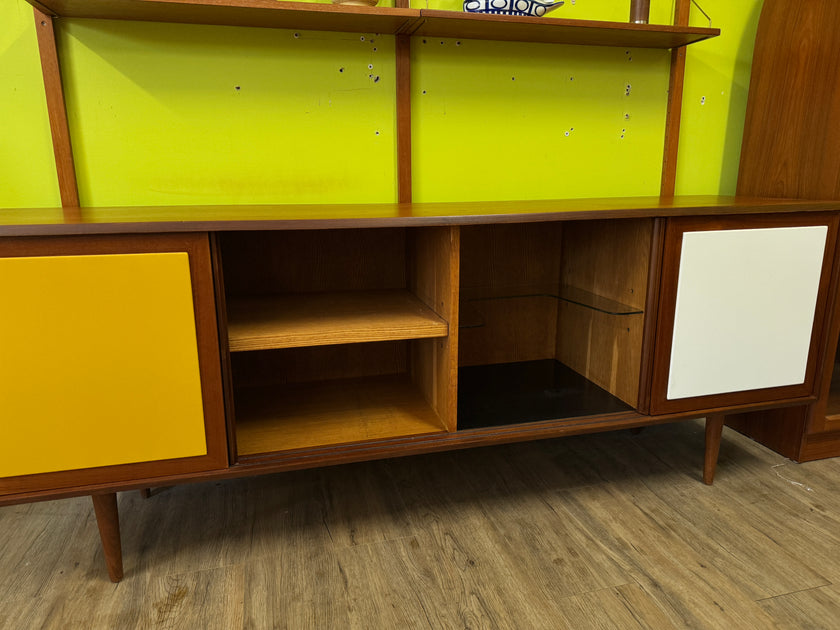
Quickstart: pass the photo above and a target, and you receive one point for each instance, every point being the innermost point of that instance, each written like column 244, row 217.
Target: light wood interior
column 324, row 413
column 352, row 335
column 609, row 259
column 328, row 318
column 574, row 292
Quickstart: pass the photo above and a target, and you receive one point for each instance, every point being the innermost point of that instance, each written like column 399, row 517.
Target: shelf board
column 320, row 319
column 557, row 30
column 425, row 22
column 529, row 391
column 260, row 13
column 309, row 415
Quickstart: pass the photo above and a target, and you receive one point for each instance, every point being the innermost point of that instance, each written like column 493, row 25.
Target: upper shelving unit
column 425, row 22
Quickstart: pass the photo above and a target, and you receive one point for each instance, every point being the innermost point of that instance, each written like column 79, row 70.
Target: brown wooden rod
column 403, row 53
column 57, row 110
column 675, row 95
column 714, row 432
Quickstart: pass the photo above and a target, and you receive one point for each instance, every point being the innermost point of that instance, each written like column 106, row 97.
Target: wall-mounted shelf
column 260, row 13
column 425, row 22
column 558, row 31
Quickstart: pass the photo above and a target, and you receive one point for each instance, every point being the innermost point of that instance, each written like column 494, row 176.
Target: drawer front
column 100, row 368
column 743, row 302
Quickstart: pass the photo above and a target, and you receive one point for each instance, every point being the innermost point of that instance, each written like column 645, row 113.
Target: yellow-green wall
column 186, row 114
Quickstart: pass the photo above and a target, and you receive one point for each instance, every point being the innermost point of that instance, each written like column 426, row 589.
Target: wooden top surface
column 148, row 219
column 328, row 17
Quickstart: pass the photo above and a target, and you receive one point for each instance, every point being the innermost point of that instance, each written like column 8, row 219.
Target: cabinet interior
column 343, row 336
column 338, row 336
column 552, row 320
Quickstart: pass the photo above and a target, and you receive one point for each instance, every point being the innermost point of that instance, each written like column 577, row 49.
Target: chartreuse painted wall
column 184, row 114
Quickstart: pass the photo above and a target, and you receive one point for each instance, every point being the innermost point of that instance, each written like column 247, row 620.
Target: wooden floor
column 606, row 531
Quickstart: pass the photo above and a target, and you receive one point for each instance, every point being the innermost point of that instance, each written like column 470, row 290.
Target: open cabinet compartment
column 339, row 336
column 552, row 318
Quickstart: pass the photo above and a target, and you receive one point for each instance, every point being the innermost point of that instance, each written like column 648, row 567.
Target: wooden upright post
column 57, row 111
column 675, row 94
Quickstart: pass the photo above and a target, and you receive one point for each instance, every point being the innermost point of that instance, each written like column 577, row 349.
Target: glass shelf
column 471, row 316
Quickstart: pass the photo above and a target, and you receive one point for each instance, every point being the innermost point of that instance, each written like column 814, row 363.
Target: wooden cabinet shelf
column 317, row 319
column 421, row 22
column 273, row 419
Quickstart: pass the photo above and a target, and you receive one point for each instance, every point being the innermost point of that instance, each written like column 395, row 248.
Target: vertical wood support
column 403, row 118
column 403, row 54
column 675, row 96
column 714, row 432
column 57, row 110
column 108, row 520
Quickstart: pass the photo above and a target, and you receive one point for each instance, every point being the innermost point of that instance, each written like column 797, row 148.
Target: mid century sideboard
column 151, row 346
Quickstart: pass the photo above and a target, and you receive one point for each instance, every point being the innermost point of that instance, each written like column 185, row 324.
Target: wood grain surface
column 607, row 531
column 329, row 318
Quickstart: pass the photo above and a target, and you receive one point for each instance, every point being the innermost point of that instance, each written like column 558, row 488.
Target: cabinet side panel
column 745, row 309
column 609, row 259
column 434, row 279
column 97, row 352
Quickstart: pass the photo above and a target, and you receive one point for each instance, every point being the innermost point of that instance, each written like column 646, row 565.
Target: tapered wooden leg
column 714, row 431
column 108, row 520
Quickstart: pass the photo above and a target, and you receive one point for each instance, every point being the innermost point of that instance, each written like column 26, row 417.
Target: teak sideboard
column 153, row 346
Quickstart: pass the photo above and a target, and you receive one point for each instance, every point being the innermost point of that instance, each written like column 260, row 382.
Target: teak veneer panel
column 317, row 319
column 316, row 414
column 152, row 219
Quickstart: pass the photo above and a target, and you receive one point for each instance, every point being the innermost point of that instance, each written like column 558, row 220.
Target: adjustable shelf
column 289, row 321
column 425, row 22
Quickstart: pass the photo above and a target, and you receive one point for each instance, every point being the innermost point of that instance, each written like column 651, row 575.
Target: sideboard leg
column 108, row 520
column 714, row 431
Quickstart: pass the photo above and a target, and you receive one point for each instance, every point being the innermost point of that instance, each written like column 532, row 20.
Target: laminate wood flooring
column 613, row 530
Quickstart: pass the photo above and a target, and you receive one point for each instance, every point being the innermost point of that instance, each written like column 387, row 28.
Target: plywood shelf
column 318, row 319
column 273, row 419
column 566, row 293
column 425, row 22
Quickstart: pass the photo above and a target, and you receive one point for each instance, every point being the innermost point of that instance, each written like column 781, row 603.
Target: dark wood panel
column 792, row 128
column 197, row 246
column 154, row 219
column 778, row 429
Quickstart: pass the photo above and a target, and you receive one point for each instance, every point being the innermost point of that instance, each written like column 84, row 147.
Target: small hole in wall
column 362, row 38
column 374, row 49
column 341, row 69
column 376, row 79
column 424, row 91
column 370, row 66
column 377, row 133
column 457, row 43
column 297, row 35
column 237, row 88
